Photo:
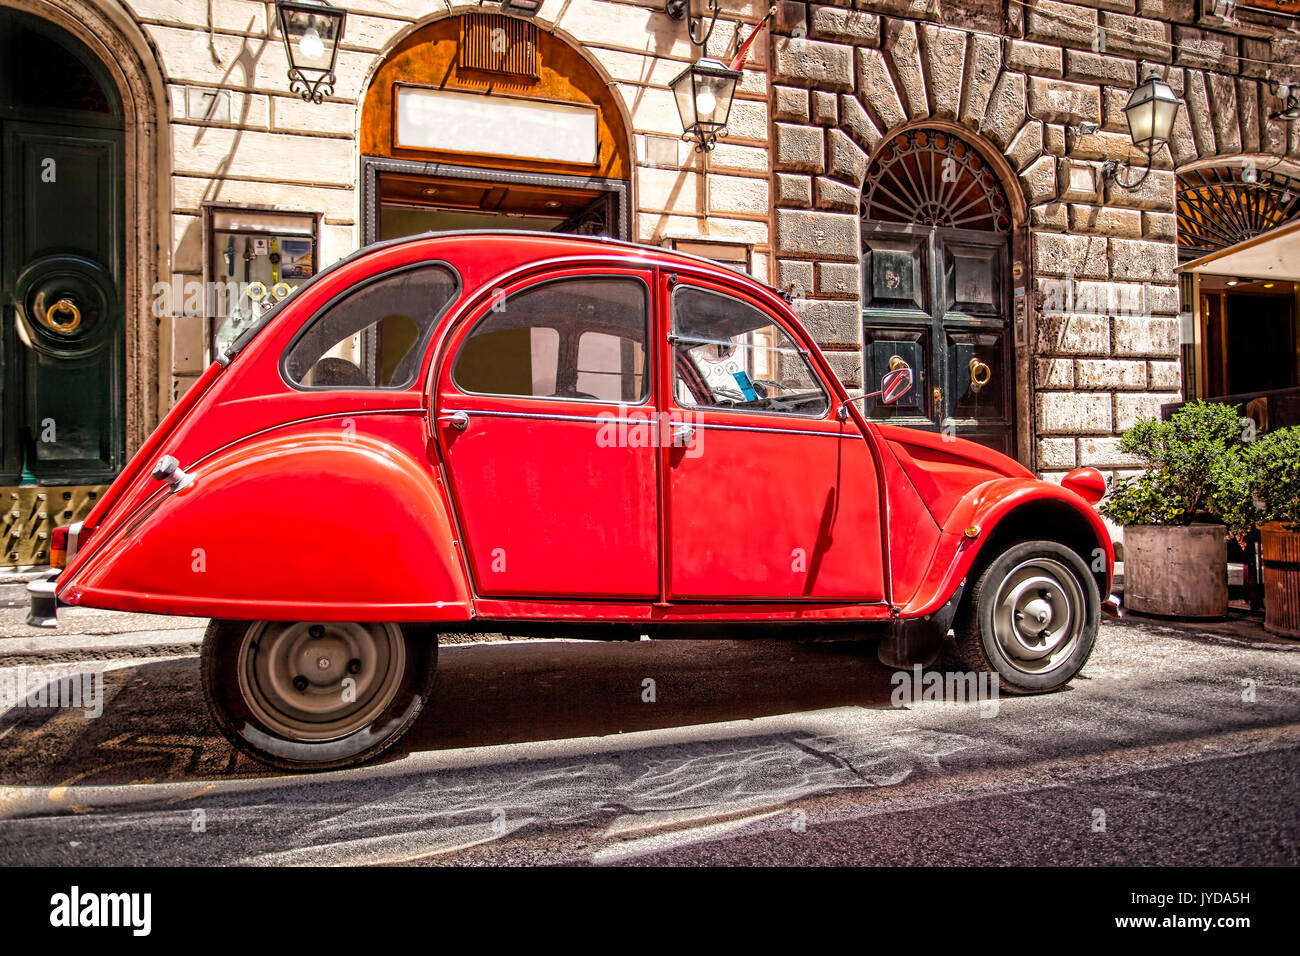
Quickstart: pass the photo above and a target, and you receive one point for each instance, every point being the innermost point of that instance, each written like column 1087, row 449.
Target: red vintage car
column 522, row 433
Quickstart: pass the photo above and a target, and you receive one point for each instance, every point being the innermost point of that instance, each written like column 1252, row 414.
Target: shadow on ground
column 155, row 725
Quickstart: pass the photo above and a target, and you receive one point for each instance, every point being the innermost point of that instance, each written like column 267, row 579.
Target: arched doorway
column 1246, row 329
column 488, row 121
column 62, row 265
column 937, row 291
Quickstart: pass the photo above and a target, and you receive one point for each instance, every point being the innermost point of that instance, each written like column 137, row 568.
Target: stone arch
column 127, row 57
column 881, row 77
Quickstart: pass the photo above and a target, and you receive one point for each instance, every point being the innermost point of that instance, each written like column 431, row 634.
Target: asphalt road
column 755, row 752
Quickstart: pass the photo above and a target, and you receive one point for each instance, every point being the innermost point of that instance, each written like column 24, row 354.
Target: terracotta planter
column 1176, row 571
column 1281, row 557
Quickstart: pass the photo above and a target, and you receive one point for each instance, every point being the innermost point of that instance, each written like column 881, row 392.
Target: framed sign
column 451, row 121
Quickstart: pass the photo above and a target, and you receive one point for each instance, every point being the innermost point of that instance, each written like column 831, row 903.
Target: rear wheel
column 315, row 695
column 1031, row 618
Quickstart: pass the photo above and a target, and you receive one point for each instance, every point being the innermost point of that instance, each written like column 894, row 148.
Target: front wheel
column 1031, row 618
column 315, row 695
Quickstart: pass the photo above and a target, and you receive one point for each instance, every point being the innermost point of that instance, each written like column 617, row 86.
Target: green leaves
column 1196, row 465
column 1272, row 476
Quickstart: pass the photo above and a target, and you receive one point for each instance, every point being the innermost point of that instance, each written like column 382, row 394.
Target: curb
column 55, row 649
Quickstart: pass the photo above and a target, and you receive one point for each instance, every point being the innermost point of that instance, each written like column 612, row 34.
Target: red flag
column 738, row 61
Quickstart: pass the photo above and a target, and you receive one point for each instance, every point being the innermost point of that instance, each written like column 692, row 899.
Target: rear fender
column 311, row 526
column 992, row 515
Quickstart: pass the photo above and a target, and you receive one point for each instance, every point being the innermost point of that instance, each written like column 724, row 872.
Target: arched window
column 1219, row 206
column 932, row 178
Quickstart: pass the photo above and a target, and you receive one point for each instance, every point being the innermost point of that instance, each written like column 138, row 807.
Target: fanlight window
column 932, row 178
column 1220, row 206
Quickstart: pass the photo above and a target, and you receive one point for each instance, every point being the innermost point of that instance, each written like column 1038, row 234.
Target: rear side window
column 582, row 338
column 375, row 336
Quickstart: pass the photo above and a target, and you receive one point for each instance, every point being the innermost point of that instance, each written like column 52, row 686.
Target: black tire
column 1030, row 578
column 263, row 724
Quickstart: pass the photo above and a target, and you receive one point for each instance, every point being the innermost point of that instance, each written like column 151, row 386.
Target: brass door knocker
column 64, row 306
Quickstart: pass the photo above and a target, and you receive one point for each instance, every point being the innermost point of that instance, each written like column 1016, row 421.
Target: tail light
column 64, row 542
column 59, row 547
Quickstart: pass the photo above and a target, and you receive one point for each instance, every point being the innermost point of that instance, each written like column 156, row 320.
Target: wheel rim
column 294, row 677
column 1039, row 615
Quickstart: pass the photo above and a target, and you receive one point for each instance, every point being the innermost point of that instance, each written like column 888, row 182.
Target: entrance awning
column 1271, row 255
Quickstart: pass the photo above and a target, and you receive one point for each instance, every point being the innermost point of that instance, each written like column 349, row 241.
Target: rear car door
column 540, row 400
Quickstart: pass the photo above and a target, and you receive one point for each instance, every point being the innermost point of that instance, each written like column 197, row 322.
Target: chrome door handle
column 457, row 420
column 682, row 435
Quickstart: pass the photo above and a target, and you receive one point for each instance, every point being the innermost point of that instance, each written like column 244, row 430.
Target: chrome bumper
column 43, row 606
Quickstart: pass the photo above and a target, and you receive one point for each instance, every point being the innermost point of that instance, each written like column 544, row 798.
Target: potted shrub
column 1273, row 480
column 1177, row 515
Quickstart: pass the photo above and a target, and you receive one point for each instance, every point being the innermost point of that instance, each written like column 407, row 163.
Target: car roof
column 549, row 244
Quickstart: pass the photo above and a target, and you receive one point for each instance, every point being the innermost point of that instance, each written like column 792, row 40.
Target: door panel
column 945, row 311
column 774, row 515
column 547, row 510
column 63, row 246
column 766, row 506
column 555, row 480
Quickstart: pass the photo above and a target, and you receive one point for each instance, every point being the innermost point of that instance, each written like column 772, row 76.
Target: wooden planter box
column 1281, row 560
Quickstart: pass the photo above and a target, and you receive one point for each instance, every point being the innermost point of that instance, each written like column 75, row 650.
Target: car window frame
column 424, row 344
column 716, row 287
column 527, row 284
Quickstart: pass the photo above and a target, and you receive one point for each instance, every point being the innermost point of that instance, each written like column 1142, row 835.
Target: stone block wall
column 1043, row 84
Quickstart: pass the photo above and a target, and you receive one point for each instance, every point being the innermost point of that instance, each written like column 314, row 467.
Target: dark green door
column 939, row 299
column 62, row 246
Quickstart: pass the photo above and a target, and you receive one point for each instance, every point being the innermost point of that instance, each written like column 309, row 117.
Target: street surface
column 1179, row 745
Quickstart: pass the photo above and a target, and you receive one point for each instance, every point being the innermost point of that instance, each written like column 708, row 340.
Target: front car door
column 543, row 414
column 769, row 497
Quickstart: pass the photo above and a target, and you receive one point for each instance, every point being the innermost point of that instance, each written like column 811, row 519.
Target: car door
column 541, row 398
column 769, row 496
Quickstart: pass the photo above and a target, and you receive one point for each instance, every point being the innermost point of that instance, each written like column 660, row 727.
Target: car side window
column 376, row 335
column 580, row 338
column 728, row 354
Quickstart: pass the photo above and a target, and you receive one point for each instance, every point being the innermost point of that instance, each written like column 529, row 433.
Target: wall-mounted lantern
column 1291, row 112
column 694, row 13
column 312, row 30
column 703, row 92
column 1150, row 112
column 525, row 9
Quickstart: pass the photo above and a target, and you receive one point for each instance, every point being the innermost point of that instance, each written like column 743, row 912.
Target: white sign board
column 495, row 125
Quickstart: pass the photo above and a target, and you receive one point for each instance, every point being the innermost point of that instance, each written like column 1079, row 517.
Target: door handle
column 457, row 420
column 682, row 435
column 980, row 374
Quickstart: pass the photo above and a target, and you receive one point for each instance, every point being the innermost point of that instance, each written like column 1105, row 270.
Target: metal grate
column 932, row 178
column 498, row 44
column 1220, row 206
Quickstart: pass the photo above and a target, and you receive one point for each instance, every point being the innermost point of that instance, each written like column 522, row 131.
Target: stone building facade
column 1038, row 89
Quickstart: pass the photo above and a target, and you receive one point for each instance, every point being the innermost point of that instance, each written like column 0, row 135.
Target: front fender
column 311, row 526
column 996, row 510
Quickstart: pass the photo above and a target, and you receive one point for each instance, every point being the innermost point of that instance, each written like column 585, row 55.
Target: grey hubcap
column 1038, row 615
column 323, row 681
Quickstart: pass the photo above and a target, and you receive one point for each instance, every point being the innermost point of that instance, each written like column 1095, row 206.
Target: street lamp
column 694, row 12
column 1150, row 112
column 703, row 92
column 312, row 30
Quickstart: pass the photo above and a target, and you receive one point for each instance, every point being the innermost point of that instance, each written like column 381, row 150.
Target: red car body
column 366, row 504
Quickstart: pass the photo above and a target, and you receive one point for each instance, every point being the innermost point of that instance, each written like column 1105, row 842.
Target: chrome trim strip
column 540, row 416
